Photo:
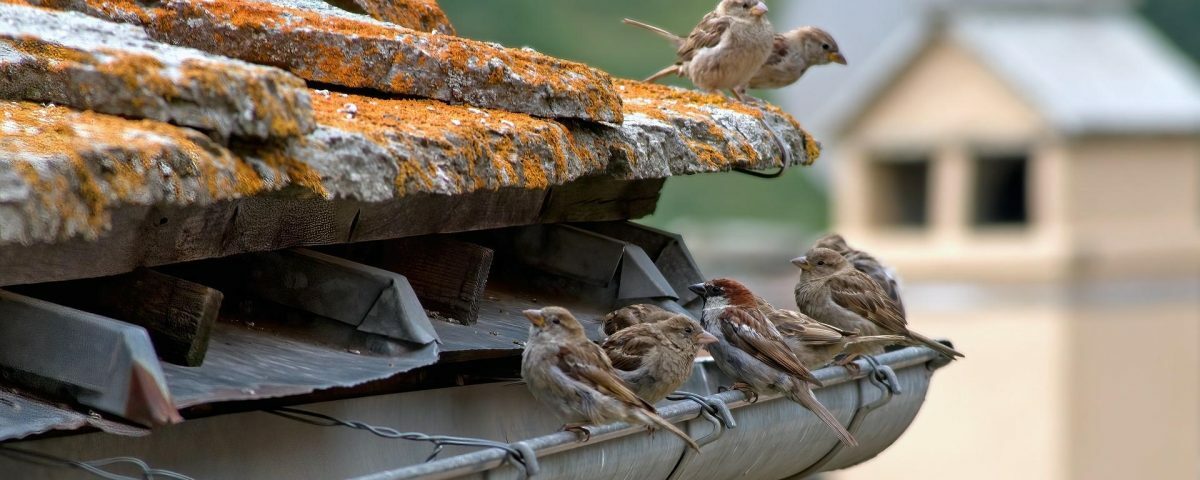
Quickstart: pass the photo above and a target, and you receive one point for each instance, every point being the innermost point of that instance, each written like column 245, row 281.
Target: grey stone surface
column 328, row 45
column 71, row 59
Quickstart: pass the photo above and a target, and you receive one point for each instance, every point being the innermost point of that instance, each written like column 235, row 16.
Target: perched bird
column 654, row 359
column 816, row 344
column 864, row 262
column 753, row 352
column 793, row 53
column 570, row 374
column 830, row 290
column 633, row 315
column 726, row 48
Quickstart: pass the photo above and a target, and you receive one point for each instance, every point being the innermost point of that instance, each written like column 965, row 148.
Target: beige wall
column 1100, row 379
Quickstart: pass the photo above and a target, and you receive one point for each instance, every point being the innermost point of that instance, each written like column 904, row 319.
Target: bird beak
column 535, row 317
column 801, row 262
column 706, row 338
column 698, row 289
column 837, row 57
column 759, row 10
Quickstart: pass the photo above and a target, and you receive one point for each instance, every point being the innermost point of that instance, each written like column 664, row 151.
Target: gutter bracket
column 713, row 410
column 884, row 378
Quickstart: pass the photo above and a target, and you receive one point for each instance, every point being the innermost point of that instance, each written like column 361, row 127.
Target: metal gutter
column 773, row 438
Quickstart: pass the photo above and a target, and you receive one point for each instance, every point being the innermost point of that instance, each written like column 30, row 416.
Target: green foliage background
column 591, row 32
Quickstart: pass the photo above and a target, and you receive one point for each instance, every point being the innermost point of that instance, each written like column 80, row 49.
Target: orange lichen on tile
column 460, row 148
column 48, row 51
column 81, row 165
column 421, row 15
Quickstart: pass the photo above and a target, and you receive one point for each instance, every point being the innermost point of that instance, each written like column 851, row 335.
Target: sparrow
column 654, row 359
column 725, row 50
column 864, row 262
column 816, row 344
column 751, row 350
column 571, row 375
column 793, row 53
column 632, row 315
column 832, row 291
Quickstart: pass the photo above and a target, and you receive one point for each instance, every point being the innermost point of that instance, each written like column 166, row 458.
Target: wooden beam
column 152, row 236
column 448, row 275
column 178, row 314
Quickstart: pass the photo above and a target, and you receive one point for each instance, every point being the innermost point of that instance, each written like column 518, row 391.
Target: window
column 901, row 191
column 1001, row 189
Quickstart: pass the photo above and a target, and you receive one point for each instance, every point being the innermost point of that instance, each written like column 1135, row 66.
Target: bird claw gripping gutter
column 713, row 407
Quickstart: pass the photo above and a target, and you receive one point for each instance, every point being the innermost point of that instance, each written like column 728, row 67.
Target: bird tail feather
column 673, row 38
column 670, row 427
column 935, row 345
column 671, row 70
column 884, row 340
column 802, row 393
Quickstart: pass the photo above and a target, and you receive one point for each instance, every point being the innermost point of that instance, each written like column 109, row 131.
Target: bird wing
column 779, row 51
column 857, row 292
column 707, row 34
column 589, row 366
column 753, row 334
column 812, row 333
column 627, row 348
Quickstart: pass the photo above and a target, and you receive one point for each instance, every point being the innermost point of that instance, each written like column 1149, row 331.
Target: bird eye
column 825, row 46
column 822, row 262
column 556, row 321
column 689, row 330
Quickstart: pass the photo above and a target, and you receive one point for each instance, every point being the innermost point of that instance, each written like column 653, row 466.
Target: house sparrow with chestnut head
column 725, row 49
column 793, row 54
column 656, row 358
column 571, row 375
column 865, row 263
column 816, row 344
column 830, row 290
column 753, row 352
column 633, row 315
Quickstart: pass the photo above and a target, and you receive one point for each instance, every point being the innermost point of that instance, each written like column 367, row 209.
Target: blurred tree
column 1179, row 20
column 591, row 32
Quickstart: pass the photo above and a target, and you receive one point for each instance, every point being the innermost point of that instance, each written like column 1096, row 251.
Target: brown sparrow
column 793, row 54
column 654, row 359
column 725, row 49
column 632, row 315
column 816, row 344
column 830, row 290
column 570, row 374
column 864, row 262
column 753, row 352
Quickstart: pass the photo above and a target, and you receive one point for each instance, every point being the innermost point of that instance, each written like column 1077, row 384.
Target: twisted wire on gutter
column 94, row 467
column 518, row 455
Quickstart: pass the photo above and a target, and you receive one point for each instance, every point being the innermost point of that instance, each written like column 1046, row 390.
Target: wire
column 783, row 148
column 518, row 455
column 93, row 467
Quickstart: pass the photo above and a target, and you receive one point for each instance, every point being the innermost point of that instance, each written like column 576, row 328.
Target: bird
column 793, row 53
column 571, row 375
column 725, row 50
column 656, row 358
column 754, row 353
column 632, row 315
column 864, row 262
column 832, row 291
column 817, row 344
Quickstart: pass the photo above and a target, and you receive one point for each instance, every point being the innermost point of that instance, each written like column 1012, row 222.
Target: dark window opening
column 901, row 191
column 1002, row 190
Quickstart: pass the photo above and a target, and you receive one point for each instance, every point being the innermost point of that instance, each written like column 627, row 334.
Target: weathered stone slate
column 325, row 44
column 419, row 15
column 72, row 59
column 62, row 172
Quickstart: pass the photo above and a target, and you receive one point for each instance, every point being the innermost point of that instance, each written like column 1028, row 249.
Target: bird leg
column 740, row 94
column 578, row 428
column 745, row 388
column 848, row 362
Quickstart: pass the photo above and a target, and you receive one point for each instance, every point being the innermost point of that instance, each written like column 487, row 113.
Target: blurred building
column 1033, row 172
